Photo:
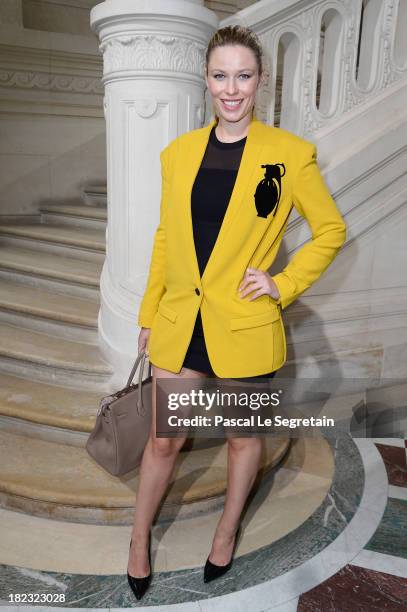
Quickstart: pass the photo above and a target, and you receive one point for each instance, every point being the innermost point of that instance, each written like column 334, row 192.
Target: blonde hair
column 236, row 35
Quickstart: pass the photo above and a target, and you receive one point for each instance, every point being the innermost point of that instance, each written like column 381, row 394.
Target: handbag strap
column 141, row 357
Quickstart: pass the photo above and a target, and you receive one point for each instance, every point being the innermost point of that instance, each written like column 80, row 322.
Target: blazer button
column 197, row 291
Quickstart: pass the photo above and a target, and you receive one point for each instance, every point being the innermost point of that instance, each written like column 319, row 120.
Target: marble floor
column 327, row 530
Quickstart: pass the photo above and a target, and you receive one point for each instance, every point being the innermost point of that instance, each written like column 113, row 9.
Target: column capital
column 159, row 36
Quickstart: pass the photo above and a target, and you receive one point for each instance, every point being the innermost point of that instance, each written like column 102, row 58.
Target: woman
column 210, row 306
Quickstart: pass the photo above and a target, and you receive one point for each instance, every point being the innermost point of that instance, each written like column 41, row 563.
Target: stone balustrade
column 325, row 58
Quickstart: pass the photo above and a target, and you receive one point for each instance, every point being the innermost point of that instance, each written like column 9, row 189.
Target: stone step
column 41, row 356
column 47, row 311
column 54, row 237
column 101, row 188
column 49, row 412
column 95, row 195
column 46, row 411
column 76, row 210
column 35, row 267
column 64, row 482
column 78, row 215
column 31, row 301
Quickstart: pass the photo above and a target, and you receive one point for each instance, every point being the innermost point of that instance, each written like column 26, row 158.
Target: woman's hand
column 262, row 281
column 143, row 339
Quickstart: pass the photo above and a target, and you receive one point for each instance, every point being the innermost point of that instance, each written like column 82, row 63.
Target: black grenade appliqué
column 268, row 191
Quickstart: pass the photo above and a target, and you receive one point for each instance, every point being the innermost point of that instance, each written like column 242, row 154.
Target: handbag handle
column 141, row 357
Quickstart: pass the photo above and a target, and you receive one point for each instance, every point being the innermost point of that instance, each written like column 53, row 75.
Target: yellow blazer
column 243, row 338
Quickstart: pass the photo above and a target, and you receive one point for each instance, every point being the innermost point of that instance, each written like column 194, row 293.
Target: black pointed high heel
column 140, row 585
column 212, row 571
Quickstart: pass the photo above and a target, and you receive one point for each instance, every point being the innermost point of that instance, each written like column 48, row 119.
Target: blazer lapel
column 250, row 159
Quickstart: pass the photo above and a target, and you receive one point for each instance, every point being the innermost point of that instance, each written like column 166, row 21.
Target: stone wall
column 73, row 15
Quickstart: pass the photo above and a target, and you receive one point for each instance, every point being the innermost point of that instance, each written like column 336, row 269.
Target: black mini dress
column 210, row 197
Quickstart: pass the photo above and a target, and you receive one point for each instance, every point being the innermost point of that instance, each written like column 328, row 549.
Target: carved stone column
column 153, row 58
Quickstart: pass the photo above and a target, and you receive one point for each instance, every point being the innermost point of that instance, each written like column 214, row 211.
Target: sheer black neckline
column 222, row 155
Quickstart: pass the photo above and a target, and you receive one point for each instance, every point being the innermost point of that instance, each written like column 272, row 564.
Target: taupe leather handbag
column 123, row 424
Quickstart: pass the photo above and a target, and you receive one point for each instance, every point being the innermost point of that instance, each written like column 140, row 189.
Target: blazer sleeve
column 155, row 287
column 313, row 201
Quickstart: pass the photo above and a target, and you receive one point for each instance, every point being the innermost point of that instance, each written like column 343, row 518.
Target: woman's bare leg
column 155, row 472
column 243, row 464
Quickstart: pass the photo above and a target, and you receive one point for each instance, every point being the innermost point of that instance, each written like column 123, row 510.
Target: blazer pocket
column 255, row 320
column 166, row 312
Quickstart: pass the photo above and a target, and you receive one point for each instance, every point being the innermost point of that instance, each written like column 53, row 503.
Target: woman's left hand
column 262, row 281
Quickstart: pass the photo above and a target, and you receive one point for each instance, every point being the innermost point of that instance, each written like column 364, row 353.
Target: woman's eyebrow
column 240, row 70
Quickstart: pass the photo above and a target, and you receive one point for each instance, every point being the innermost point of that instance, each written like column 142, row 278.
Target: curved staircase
column 52, row 375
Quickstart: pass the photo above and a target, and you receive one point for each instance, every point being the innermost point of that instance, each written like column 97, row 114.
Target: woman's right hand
column 143, row 339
